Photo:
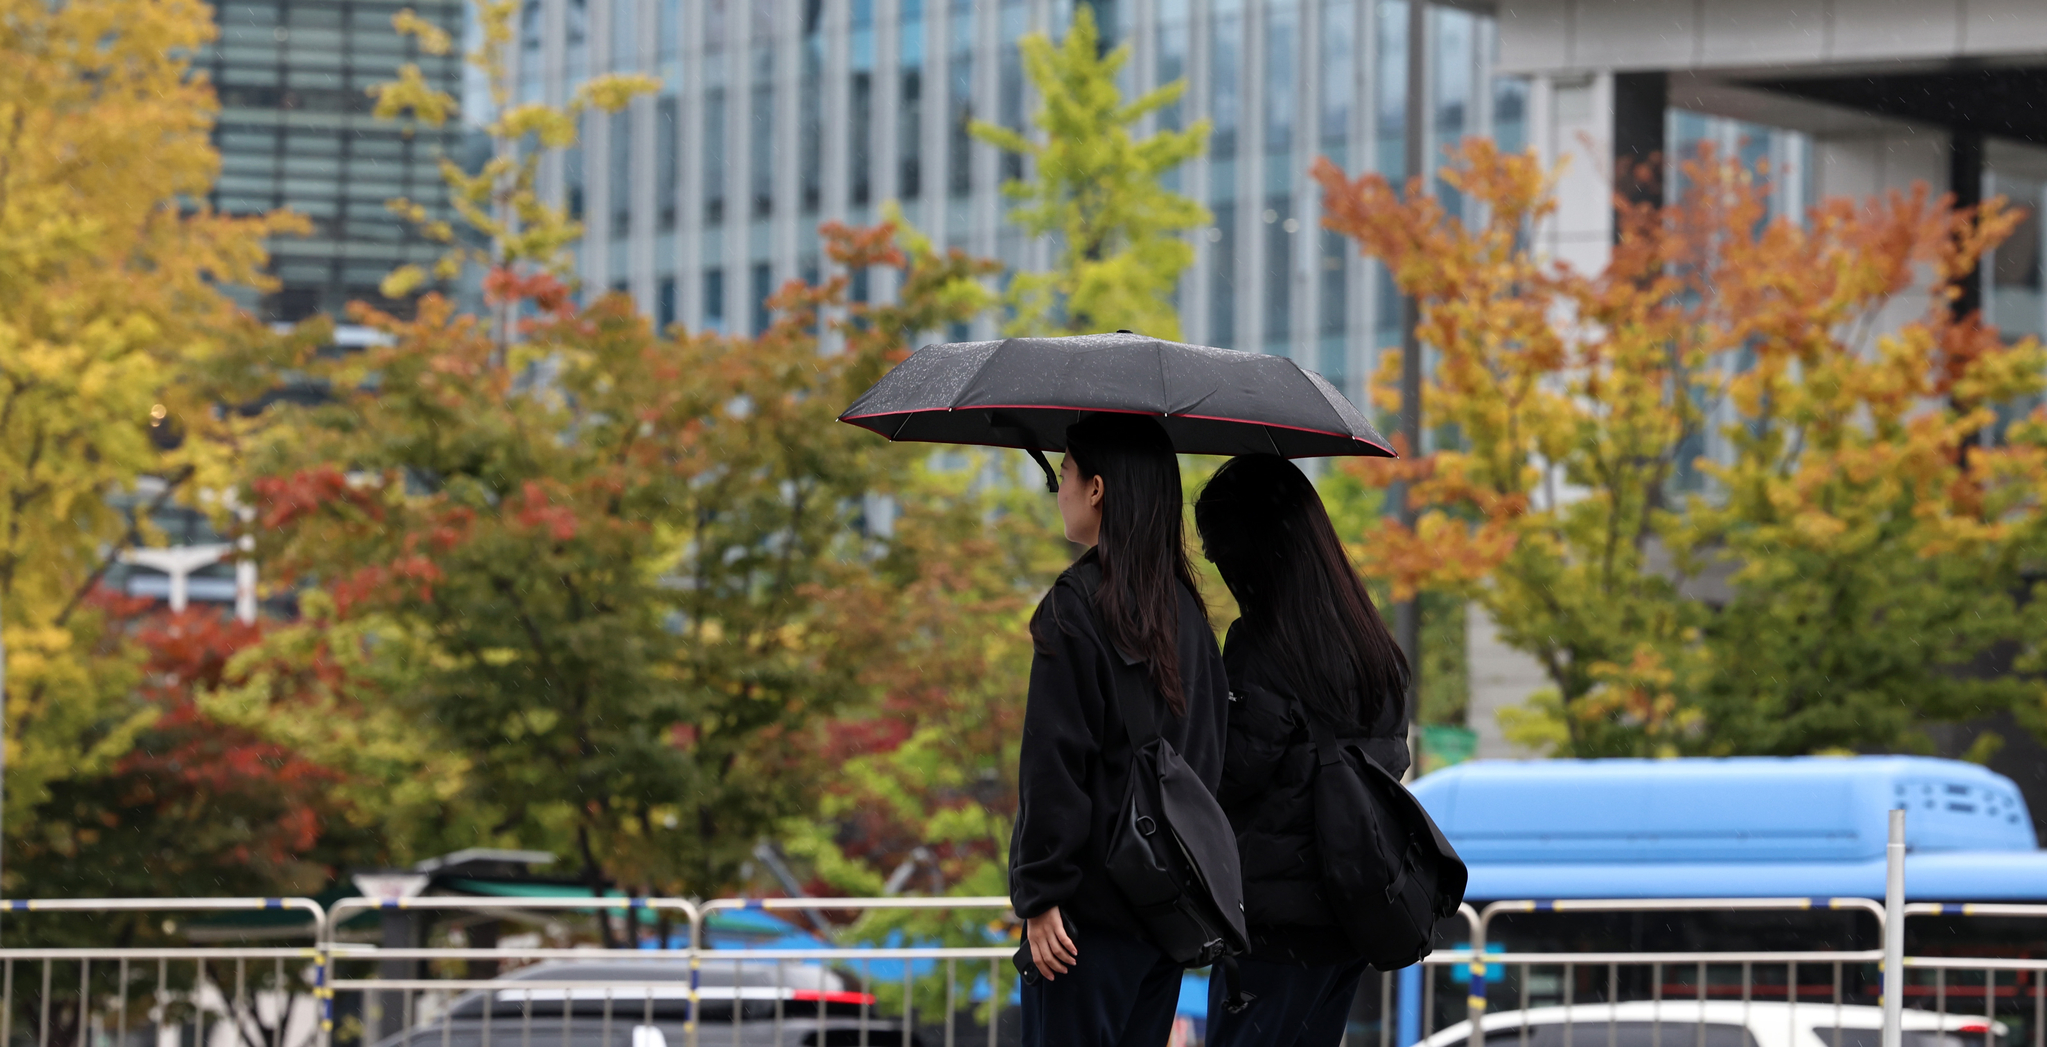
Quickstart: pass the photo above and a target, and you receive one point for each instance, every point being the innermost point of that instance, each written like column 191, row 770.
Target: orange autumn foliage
column 1726, row 489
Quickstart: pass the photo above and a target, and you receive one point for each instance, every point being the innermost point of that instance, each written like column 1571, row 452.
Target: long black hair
column 1304, row 607
column 1142, row 546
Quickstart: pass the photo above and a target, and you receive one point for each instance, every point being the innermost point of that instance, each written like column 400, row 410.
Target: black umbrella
column 1024, row 392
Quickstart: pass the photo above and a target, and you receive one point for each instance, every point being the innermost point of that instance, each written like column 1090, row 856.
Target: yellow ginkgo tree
column 111, row 309
column 1097, row 187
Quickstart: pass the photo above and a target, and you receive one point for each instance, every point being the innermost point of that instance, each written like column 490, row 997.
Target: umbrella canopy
column 1024, row 392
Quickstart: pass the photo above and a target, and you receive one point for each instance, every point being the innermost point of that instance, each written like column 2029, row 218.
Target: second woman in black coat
column 1096, row 978
column 1309, row 643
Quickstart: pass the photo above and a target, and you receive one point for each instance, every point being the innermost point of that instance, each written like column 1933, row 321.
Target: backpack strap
column 1131, row 703
column 1328, row 748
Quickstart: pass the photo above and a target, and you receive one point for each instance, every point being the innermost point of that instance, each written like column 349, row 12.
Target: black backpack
column 1172, row 852
column 1387, row 872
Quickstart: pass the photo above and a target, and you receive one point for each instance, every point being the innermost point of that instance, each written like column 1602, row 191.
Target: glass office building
column 296, row 131
column 777, row 115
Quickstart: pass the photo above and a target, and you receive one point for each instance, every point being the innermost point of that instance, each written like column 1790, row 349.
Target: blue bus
column 1738, row 827
column 1810, row 828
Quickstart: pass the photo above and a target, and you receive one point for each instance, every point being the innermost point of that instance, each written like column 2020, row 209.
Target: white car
column 1715, row 1023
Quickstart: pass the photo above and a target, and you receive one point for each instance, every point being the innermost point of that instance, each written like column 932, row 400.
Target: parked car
column 645, row 1003
column 1715, row 1023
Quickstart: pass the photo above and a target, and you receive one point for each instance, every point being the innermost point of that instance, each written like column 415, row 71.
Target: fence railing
column 557, row 993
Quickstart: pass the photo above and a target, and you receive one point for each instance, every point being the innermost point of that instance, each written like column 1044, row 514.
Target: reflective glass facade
column 296, row 132
column 777, row 115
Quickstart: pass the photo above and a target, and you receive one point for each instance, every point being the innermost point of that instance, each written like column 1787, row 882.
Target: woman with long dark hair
column 1094, row 978
column 1308, row 643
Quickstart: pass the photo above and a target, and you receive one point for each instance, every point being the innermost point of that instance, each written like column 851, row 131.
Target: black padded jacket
column 1268, row 793
column 1075, row 761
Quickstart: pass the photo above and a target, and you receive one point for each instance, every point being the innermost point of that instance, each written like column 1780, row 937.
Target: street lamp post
column 3, row 725
column 1407, row 616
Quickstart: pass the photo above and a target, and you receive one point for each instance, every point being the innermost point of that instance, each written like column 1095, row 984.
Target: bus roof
column 1735, row 827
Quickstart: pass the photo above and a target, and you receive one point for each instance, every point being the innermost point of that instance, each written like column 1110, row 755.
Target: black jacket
column 1268, row 793
column 1075, row 763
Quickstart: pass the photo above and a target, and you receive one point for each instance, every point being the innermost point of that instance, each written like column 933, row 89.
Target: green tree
column 616, row 550
column 1096, row 190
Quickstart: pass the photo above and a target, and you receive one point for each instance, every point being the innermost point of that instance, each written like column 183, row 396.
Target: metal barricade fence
column 163, row 996
column 654, row 997
column 1835, row 979
column 1941, row 970
column 393, row 1006
column 905, row 990
column 862, row 961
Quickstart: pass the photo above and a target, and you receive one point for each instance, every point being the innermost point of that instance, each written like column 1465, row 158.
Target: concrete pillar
column 1501, row 677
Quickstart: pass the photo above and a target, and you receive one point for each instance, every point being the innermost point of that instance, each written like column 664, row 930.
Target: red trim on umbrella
column 1294, row 428
column 849, row 418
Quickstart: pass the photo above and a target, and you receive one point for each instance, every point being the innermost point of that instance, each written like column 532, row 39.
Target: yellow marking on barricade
column 690, row 1027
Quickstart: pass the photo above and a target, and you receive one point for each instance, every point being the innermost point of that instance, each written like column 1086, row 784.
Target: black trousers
column 1294, row 1006
column 1123, row 990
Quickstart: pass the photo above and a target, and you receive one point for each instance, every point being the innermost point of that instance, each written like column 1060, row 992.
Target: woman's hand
column 1051, row 950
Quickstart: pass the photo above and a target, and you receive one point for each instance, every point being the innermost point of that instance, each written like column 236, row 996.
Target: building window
column 960, row 71
column 577, row 58
column 1282, row 76
column 1510, row 113
column 714, row 300
column 1014, row 22
column 810, row 125
column 715, row 21
column 910, row 125
column 1335, row 271
column 860, row 139
column 531, row 75
column 1172, row 58
column 668, row 27
column 667, row 160
column 1222, row 276
column 625, row 36
column 860, row 135
column 1451, row 70
column 763, row 289
column 1339, row 73
column 761, row 147
column 1391, row 90
column 664, row 303
column 572, row 179
column 1279, row 283
column 621, row 180
column 810, row 272
column 714, row 156
column 1225, row 67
